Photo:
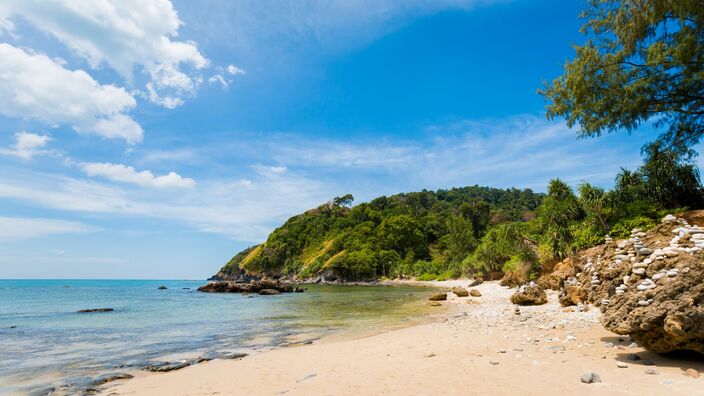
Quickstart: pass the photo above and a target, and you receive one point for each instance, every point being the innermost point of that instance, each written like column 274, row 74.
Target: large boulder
column 438, row 297
column 530, row 294
column 460, row 291
column 650, row 286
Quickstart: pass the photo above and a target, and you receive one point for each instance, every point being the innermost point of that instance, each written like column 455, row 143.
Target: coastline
column 478, row 345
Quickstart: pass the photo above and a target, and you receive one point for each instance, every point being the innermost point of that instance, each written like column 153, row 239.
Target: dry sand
column 482, row 347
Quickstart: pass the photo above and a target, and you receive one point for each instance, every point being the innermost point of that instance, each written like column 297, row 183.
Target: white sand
column 450, row 357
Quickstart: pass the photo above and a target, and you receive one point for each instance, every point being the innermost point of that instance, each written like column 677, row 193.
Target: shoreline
column 476, row 345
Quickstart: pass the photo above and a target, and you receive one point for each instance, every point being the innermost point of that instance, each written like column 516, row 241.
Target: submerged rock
column 269, row 292
column 162, row 287
column 94, row 310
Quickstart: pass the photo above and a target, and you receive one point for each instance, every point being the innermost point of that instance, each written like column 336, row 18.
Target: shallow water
column 45, row 344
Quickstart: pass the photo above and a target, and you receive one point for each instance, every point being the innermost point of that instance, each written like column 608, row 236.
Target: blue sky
column 155, row 139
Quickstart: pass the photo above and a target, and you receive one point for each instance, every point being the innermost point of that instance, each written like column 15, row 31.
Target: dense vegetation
column 471, row 230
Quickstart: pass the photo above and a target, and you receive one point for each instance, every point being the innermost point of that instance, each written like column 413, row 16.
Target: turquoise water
column 45, row 344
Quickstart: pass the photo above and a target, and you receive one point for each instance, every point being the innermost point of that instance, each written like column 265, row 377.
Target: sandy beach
column 482, row 346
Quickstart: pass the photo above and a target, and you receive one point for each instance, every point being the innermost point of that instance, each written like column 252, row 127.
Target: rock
column 269, row 292
column 253, row 286
column 475, row 293
column 93, row 310
column 658, row 304
column 438, row 297
column 435, row 304
column 429, row 355
column 166, row 367
column 570, row 295
column 651, row 371
column 529, row 295
column 104, row 379
column 232, row 356
column 460, row 291
column 476, row 282
column 590, row 378
column 493, row 362
column 554, row 280
column 621, row 365
column 691, row 373
column 162, row 287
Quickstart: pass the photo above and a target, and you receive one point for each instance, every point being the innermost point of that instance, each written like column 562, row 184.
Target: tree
column 643, row 60
column 670, row 180
column 345, row 200
column 478, row 211
column 594, row 200
column 559, row 209
column 460, row 235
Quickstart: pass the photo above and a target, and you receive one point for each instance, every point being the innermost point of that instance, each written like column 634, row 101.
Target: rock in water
column 438, row 297
column 93, row 310
column 162, row 287
column 529, row 295
column 269, row 292
column 590, row 378
column 460, row 291
column 254, row 286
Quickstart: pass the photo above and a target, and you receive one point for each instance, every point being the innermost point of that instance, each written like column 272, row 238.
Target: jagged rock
column 529, row 295
column 660, row 303
column 438, row 297
column 570, row 295
column 254, row 286
column 460, row 291
column 475, row 293
column 554, row 280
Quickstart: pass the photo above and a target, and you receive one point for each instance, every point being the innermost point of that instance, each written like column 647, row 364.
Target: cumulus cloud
column 32, row 85
column 127, row 174
column 27, row 145
column 24, row 228
column 125, row 35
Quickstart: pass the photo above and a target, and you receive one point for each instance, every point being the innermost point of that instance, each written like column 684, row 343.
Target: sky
column 154, row 139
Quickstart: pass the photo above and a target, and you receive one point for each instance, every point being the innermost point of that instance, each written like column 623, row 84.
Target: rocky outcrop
column 650, row 286
column 555, row 279
column 264, row 287
column 530, row 294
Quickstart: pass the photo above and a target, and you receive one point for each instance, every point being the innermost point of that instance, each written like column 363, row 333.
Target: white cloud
column 23, row 228
column 27, row 145
column 234, row 70
column 34, row 86
column 127, row 174
column 122, row 34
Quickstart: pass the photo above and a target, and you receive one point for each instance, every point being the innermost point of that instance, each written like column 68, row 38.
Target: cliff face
column 385, row 237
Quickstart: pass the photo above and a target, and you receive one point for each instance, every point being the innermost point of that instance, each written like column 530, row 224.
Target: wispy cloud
column 12, row 228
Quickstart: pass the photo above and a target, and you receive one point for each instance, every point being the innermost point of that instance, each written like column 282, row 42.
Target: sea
column 47, row 347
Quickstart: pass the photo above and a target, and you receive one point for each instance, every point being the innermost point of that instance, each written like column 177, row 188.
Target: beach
column 480, row 345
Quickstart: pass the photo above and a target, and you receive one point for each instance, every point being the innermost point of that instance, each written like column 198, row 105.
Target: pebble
column 590, row 378
column 691, row 373
column 429, row 355
column 621, row 365
column 651, row 371
column 493, row 362
column 501, row 351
